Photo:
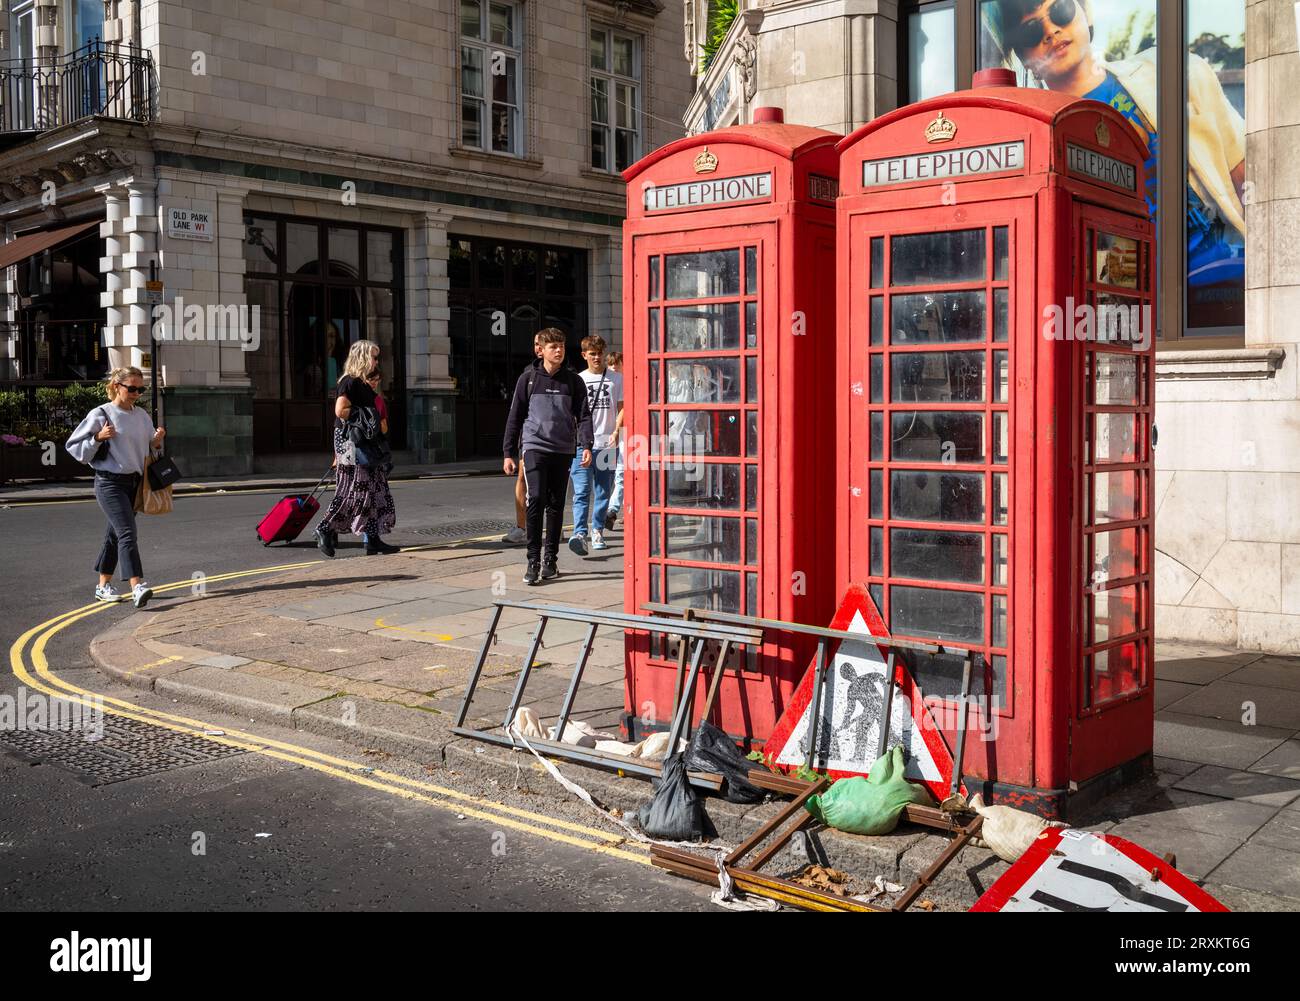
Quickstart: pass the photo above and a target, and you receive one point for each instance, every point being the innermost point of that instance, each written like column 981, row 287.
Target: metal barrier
column 700, row 633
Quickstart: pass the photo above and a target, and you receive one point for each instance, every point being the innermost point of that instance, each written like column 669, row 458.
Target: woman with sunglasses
column 115, row 439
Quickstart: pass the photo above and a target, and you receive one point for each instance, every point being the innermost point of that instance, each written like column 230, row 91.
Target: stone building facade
column 1227, row 492
column 435, row 175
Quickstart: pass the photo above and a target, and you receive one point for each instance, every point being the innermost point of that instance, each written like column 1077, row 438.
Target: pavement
column 83, row 488
column 376, row 651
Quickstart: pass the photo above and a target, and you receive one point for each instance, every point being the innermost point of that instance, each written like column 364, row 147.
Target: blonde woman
column 115, row 439
column 362, row 501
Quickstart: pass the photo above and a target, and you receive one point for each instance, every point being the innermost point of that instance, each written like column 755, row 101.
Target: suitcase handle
column 320, row 483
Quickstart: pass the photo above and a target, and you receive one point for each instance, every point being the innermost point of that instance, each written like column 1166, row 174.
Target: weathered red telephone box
column 729, row 332
column 996, row 273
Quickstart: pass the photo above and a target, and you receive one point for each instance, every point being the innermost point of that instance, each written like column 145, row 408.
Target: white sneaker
column 140, row 594
column 578, row 543
column 107, row 592
column 516, row 536
column 598, row 541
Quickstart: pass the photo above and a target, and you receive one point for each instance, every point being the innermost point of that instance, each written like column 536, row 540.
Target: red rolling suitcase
column 290, row 516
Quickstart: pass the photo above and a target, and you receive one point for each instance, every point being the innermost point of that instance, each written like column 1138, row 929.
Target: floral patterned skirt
column 362, row 501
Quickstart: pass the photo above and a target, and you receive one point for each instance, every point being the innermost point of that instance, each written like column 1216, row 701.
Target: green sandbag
column 871, row 805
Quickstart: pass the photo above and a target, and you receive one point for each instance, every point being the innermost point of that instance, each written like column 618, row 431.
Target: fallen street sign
column 853, row 704
column 1068, row 870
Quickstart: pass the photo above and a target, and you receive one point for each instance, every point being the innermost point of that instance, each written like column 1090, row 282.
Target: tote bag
column 151, row 501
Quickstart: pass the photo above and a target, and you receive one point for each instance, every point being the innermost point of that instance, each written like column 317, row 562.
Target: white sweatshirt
column 126, row 451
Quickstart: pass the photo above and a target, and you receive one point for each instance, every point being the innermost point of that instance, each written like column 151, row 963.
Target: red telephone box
column 996, row 289
column 729, row 320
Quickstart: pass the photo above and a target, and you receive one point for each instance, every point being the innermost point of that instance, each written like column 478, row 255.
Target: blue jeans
column 616, row 497
column 115, row 493
column 598, row 477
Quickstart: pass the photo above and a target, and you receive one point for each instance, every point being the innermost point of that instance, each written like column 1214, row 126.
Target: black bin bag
column 711, row 750
column 675, row 812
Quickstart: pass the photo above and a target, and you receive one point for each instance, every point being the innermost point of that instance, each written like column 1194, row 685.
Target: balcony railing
column 111, row 81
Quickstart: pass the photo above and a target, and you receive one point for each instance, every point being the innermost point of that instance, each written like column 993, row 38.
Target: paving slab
column 1197, row 811
column 224, row 661
column 1195, row 670
column 604, row 652
column 241, row 694
column 1276, row 707
column 1242, row 787
column 326, row 605
column 559, row 633
column 1263, row 868
column 1283, row 831
column 1169, row 692
column 412, row 590
column 1236, row 898
column 398, row 615
column 1197, row 853
column 1213, row 741
column 1269, row 672
column 1174, row 765
column 1283, row 760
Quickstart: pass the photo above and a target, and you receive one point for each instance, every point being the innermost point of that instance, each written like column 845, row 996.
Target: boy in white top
column 605, row 399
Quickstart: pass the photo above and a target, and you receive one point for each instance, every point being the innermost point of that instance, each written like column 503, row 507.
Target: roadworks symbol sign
column 853, row 704
column 1069, row 870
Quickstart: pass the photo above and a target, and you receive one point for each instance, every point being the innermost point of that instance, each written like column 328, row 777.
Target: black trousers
column 115, row 493
column 547, row 477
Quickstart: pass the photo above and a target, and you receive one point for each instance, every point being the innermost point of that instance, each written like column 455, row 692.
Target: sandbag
column 711, row 750
column 868, row 805
column 655, row 746
column 675, row 812
column 1006, row 830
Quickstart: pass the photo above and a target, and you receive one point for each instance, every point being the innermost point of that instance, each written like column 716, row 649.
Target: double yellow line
column 480, row 808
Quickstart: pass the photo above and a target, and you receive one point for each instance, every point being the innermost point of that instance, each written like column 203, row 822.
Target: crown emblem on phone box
column 706, row 162
column 941, row 130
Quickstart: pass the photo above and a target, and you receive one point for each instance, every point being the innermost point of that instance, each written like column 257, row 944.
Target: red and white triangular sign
column 853, row 696
column 1066, row 870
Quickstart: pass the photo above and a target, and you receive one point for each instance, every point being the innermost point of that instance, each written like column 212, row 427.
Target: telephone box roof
column 1046, row 106
column 784, row 140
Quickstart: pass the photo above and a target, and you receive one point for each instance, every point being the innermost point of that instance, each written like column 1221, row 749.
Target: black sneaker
column 325, row 541
column 610, row 518
column 549, row 570
column 532, row 574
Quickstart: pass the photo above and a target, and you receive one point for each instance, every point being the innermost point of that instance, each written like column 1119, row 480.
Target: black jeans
column 115, row 493
column 547, row 477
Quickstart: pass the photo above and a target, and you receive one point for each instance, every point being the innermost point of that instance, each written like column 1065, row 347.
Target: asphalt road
column 325, row 843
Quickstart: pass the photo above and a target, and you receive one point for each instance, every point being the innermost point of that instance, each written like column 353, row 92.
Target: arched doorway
column 311, row 315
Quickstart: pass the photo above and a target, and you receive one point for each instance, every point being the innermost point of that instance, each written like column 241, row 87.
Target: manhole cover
column 466, row 529
column 128, row 750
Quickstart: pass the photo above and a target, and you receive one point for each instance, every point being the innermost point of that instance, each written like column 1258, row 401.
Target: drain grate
column 466, row 529
column 128, row 750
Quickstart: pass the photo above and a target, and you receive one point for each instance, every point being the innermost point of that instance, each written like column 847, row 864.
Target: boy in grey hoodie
column 549, row 420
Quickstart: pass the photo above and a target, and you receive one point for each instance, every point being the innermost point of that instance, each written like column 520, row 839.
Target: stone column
column 48, row 50
column 431, row 407
column 130, row 231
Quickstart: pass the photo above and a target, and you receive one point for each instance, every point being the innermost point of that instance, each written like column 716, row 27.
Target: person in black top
column 362, row 503
column 549, row 420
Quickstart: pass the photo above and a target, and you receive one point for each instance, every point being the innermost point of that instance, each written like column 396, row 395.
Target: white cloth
column 604, row 394
column 126, row 451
